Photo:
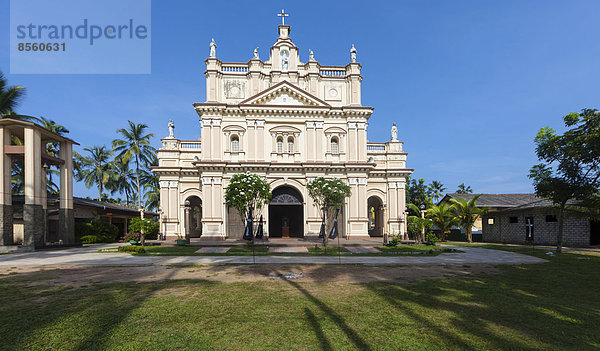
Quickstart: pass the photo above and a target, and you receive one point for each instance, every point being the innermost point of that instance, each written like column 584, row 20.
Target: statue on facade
column 394, row 132
column 256, row 53
column 171, row 129
column 311, row 55
column 213, row 48
column 284, row 60
column 353, row 54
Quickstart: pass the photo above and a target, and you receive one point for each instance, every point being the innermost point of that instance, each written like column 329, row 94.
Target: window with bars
column 290, row 143
column 335, row 147
column 279, row 145
column 235, row 144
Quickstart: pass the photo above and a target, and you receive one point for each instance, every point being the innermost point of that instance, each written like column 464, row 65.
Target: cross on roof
column 283, row 15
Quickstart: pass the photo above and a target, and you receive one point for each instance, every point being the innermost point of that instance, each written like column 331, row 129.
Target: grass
column 327, row 250
column 550, row 306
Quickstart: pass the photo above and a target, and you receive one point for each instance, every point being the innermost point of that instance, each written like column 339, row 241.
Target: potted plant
column 180, row 240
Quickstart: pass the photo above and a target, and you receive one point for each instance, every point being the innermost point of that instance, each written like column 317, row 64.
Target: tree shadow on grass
column 314, row 323
column 53, row 316
column 336, row 318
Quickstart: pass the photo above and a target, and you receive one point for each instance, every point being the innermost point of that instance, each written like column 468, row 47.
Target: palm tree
column 9, row 96
column 121, row 182
column 135, row 144
column 52, row 149
column 436, row 189
column 467, row 212
column 443, row 217
column 464, row 189
column 151, row 185
column 95, row 168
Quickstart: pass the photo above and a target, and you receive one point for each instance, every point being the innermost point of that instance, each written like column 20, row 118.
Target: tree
column 443, row 217
column 464, row 189
column 10, row 96
column 247, row 192
column 417, row 225
column 96, row 168
column 436, row 190
column 416, row 193
column 52, row 149
column 328, row 194
column 570, row 163
column 467, row 212
column 120, row 182
column 135, row 145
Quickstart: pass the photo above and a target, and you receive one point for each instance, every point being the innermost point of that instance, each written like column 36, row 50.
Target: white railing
column 190, row 145
column 333, row 72
column 234, row 69
column 375, row 147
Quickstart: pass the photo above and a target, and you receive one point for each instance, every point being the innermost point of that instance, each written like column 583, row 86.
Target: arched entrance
column 375, row 215
column 286, row 213
column 194, row 219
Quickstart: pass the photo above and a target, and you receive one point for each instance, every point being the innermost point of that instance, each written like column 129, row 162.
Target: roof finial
column 283, row 15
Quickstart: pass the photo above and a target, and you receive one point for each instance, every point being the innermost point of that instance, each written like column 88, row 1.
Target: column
column 33, row 234
column 66, row 214
column 6, row 212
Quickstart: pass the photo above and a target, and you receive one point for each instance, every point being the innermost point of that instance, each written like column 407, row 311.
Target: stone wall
column 576, row 231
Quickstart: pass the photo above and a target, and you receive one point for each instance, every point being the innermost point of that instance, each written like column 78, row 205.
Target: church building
column 290, row 122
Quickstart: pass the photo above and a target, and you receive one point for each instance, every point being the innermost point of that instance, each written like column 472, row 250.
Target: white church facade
column 290, row 122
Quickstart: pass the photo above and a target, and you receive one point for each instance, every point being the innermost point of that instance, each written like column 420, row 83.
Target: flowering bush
column 131, row 236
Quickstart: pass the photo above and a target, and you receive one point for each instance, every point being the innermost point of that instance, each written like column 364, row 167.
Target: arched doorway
column 375, row 215
column 194, row 219
column 286, row 213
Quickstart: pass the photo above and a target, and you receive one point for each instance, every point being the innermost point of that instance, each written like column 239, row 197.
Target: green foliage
column 103, row 231
column 394, row 240
column 149, row 226
column 431, row 238
column 328, row 193
column 10, row 96
column 417, row 193
column 569, row 165
column 416, row 225
column 443, row 217
column 90, row 239
column 247, row 191
column 436, row 190
column 95, row 168
column 467, row 212
column 464, row 189
column 132, row 249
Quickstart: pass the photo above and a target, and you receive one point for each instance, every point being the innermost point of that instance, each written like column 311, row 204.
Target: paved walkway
column 88, row 256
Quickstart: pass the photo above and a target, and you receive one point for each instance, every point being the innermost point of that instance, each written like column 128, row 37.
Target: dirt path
column 77, row 276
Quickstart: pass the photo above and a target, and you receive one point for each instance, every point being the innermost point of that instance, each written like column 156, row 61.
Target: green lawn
column 550, row 306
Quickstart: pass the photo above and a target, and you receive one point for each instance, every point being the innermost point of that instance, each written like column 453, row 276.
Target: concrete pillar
column 33, row 213
column 6, row 212
column 66, row 214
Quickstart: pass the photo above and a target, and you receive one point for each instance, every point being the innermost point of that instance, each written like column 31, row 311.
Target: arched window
column 279, row 145
column 235, row 144
column 290, row 145
column 335, row 148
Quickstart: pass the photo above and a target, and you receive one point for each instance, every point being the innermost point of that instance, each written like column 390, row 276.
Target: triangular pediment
column 284, row 94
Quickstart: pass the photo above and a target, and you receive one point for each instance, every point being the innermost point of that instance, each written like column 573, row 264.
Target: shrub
column 431, row 238
column 131, row 249
column 395, row 240
column 149, row 226
column 131, row 236
column 90, row 239
column 102, row 230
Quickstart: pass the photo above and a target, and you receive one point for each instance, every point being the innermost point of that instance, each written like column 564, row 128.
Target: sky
column 469, row 83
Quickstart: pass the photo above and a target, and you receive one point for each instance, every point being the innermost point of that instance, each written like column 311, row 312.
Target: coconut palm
column 464, row 189
column 95, row 168
column 467, row 212
column 121, row 182
column 9, row 96
column 436, row 190
column 151, row 185
column 135, row 145
column 52, row 149
column 443, row 217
